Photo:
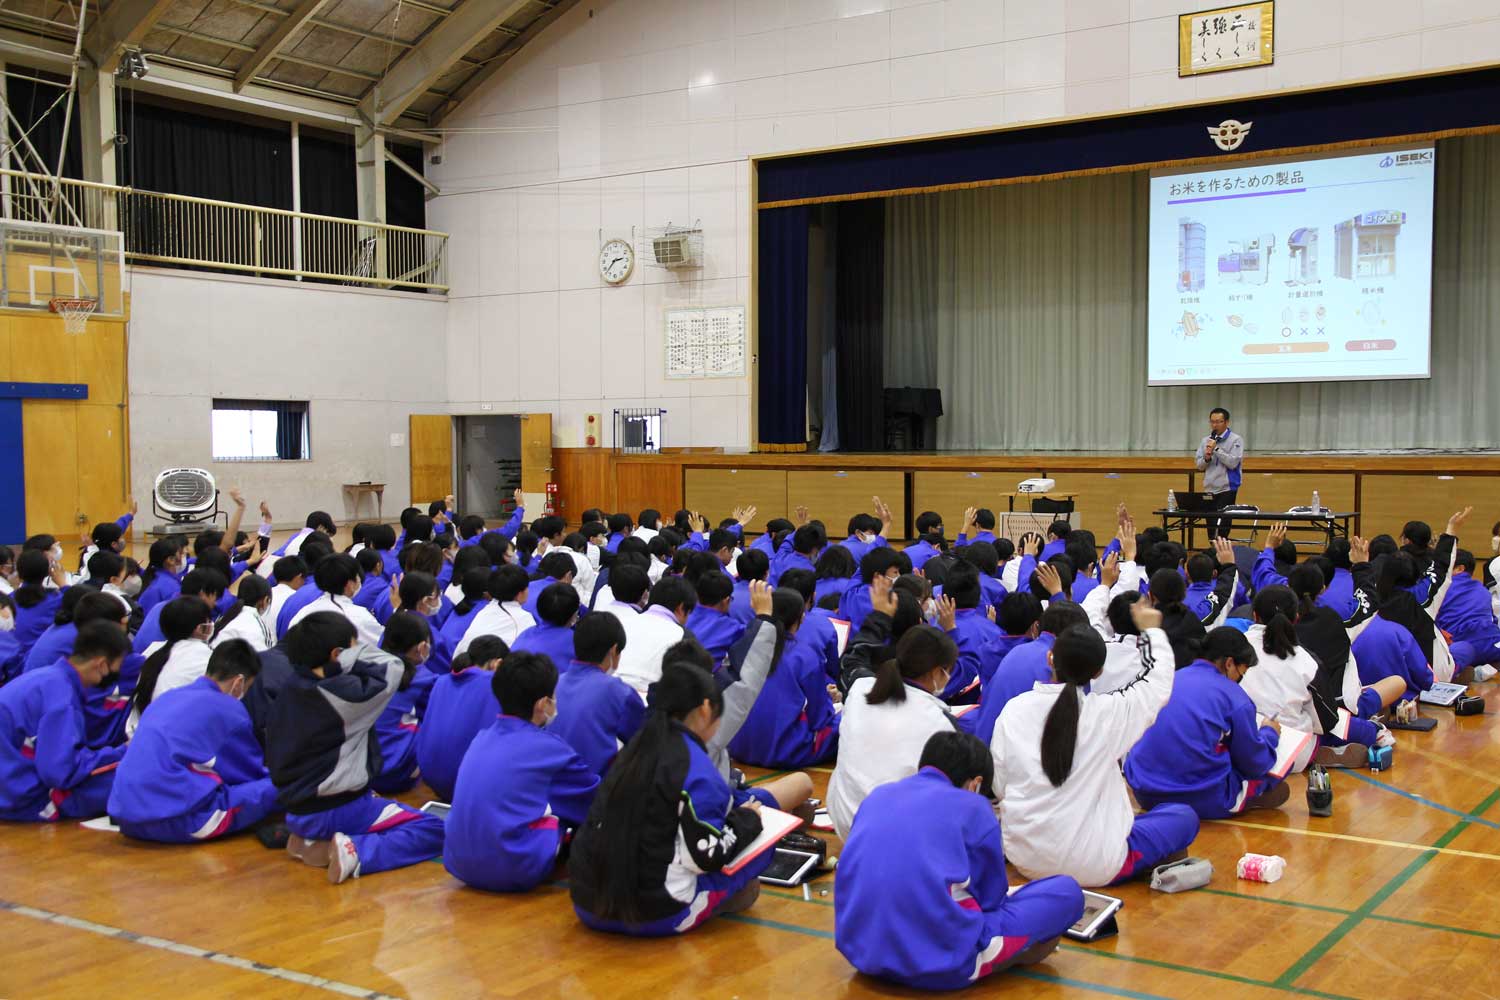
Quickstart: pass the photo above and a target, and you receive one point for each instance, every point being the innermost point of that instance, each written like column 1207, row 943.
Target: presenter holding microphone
column 1220, row 459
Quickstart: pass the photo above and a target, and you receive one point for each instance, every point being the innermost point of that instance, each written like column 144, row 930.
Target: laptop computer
column 1197, row 502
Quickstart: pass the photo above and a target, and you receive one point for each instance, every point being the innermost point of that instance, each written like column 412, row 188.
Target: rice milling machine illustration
column 1248, row 262
column 1365, row 246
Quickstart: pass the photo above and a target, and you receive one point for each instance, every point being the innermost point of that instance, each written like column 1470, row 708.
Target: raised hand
column 1127, row 539
column 236, row 496
column 1109, row 570
column 1047, row 575
column 1277, row 535
column 1224, row 552
column 265, row 512
column 800, row 515
column 881, row 597
column 947, row 613
column 1031, row 543
column 969, row 514
column 1144, row 615
column 884, row 514
column 1122, row 515
column 134, row 507
column 1457, row 520
column 760, row 597
column 1359, row 549
column 520, row 498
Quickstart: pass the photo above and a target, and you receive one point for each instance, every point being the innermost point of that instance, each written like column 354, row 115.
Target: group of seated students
column 584, row 697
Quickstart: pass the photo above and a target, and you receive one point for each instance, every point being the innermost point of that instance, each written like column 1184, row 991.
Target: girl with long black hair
column 649, row 860
column 187, row 623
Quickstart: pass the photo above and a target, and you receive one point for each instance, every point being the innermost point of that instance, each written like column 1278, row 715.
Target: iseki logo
column 1423, row 157
column 1229, row 134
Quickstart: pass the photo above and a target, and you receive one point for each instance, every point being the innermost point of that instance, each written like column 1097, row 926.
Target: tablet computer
column 438, row 809
column 789, row 867
column 1098, row 918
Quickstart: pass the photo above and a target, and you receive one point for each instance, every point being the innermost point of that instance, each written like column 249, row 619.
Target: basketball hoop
column 75, row 313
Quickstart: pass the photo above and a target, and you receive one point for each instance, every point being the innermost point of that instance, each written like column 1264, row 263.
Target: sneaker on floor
column 1350, row 755
column 1484, row 672
column 309, row 852
column 344, row 861
column 1386, row 738
column 1272, row 798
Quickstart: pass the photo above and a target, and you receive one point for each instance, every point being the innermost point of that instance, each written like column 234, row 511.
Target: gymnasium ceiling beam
column 123, row 25
column 448, row 41
column 492, row 65
column 269, row 48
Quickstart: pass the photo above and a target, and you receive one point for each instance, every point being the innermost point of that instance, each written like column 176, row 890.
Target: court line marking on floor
column 1385, row 892
column 1450, row 763
column 1423, row 800
column 1326, row 835
column 192, row 951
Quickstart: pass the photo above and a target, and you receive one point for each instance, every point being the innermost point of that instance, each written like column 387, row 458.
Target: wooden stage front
column 1387, row 490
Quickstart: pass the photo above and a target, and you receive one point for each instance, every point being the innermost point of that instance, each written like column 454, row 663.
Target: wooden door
column 536, row 456
column 431, row 439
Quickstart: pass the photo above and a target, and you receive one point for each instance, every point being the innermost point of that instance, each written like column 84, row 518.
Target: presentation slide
column 1305, row 270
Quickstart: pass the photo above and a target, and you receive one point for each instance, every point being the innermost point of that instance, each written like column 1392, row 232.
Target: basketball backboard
column 40, row 262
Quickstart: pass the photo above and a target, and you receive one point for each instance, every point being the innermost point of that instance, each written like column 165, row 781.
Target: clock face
column 616, row 261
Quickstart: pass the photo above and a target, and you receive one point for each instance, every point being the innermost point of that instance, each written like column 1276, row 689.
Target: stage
column 1386, row 489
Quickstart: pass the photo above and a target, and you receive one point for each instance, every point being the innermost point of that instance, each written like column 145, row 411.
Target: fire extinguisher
column 549, row 507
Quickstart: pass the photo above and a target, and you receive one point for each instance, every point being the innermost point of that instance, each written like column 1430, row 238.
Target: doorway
column 489, row 463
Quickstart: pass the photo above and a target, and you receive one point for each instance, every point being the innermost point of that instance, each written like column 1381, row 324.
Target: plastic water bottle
column 1317, row 504
column 1171, row 499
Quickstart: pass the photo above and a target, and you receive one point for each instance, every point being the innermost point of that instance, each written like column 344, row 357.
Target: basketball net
column 75, row 313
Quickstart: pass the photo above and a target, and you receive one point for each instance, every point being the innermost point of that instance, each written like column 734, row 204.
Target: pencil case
column 1180, row 876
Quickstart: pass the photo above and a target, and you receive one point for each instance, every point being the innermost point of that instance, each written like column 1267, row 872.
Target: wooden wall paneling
column 1098, row 493
column 950, row 493
column 431, row 444
column 50, row 429
column 1392, row 500
column 716, row 492
column 1278, row 491
column 536, row 455
column 103, row 479
column 835, row 496
column 584, row 479
column 100, row 357
column 656, row 483
column 42, row 352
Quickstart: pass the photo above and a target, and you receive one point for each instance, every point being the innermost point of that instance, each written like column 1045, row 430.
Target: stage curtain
column 1027, row 304
column 783, row 326
column 859, row 323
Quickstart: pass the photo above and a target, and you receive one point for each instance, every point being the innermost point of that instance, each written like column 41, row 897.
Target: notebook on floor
column 774, row 824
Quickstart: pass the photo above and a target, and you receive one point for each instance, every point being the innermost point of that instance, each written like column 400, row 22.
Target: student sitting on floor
column 1026, row 665
column 921, row 896
column 193, row 770
column 47, row 770
column 337, row 576
column 1280, row 681
column 408, row 636
column 322, row 757
column 648, row 861
column 1063, row 804
column 105, row 708
column 1468, row 615
column 460, row 705
column 1206, row 749
column 654, row 630
column 795, row 721
column 521, row 788
column 180, row 659
column 710, row 622
column 552, row 636
column 597, row 713
column 159, row 581
column 888, row 718
column 246, row 618
column 503, row 616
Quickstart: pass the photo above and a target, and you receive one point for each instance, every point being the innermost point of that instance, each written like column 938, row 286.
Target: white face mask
column 56, row 553
column 7, row 622
column 131, row 587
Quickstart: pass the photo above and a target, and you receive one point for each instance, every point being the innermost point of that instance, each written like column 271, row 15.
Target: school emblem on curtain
column 1229, row 134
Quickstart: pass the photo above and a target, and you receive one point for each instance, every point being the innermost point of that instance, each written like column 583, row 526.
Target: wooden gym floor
column 1396, row 896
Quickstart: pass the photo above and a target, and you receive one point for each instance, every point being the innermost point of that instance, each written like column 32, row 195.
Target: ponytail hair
column 1077, row 657
column 33, row 566
column 180, row 618
column 253, row 590
column 476, row 587
column 920, row 651
column 1168, row 588
column 1275, row 607
column 618, row 815
column 1306, row 582
column 161, row 550
column 104, row 536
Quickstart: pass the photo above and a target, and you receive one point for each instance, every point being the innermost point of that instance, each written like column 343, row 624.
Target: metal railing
column 174, row 229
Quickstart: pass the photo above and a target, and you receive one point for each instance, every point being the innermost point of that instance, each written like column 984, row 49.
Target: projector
column 1036, row 485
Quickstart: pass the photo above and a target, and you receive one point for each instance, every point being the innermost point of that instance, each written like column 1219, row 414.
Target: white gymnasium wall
column 364, row 359
column 639, row 112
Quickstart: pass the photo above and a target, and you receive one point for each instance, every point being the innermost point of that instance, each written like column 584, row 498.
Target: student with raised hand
column 888, row 718
column 1210, row 584
column 246, row 618
column 47, row 770
column 521, row 787
column 654, row 630
column 800, row 551
column 193, row 770
column 181, row 658
column 921, row 896
column 504, row 616
column 322, row 759
column 552, row 636
column 973, row 628
column 597, row 713
column 794, row 722
column 1206, row 749
column 649, row 860
column 460, row 705
column 855, row 603
column 1025, row 666
column 1064, row 805
column 979, row 526
column 868, row 532
column 106, row 536
column 892, row 614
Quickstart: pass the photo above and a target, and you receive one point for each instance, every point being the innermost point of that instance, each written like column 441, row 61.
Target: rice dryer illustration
column 1365, row 246
column 1302, row 257
column 1248, row 262
column 1191, row 254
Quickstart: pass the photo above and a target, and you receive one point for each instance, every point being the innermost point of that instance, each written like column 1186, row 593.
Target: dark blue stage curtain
column 783, row 326
column 859, row 324
column 1451, row 103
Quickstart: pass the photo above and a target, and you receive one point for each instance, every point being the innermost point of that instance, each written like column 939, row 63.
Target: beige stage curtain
column 1026, row 305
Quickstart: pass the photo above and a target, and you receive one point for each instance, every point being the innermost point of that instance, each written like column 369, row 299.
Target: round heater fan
column 186, row 496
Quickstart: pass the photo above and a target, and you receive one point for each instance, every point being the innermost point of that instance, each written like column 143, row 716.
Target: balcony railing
column 179, row 230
